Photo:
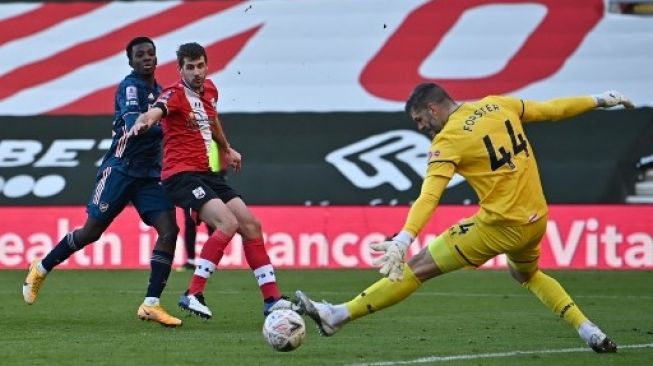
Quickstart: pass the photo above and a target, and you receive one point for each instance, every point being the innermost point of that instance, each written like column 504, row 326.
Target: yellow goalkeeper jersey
column 484, row 141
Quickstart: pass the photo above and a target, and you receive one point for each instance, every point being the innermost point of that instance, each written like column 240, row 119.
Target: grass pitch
column 465, row 318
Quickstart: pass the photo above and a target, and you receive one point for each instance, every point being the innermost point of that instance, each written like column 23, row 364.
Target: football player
column 130, row 172
column 190, row 121
column 484, row 141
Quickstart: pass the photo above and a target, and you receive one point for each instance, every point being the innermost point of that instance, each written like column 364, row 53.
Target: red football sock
column 210, row 256
column 259, row 262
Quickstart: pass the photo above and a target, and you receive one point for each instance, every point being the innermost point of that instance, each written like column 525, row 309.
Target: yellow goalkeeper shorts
column 471, row 242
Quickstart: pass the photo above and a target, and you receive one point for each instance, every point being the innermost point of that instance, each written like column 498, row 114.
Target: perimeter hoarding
column 578, row 237
column 329, row 158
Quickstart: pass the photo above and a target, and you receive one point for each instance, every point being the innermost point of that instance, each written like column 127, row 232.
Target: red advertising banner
column 577, row 237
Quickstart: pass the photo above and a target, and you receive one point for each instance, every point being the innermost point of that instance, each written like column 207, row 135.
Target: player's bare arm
column 235, row 159
column 146, row 120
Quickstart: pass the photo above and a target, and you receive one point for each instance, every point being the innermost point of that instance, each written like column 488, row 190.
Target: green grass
column 89, row 317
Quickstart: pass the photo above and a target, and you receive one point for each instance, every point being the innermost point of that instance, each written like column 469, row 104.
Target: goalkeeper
column 484, row 141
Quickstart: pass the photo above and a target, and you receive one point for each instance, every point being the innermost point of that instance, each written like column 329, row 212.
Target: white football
column 284, row 330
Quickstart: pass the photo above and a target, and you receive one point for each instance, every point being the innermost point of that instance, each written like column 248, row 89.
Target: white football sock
column 151, row 301
column 587, row 329
column 340, row 314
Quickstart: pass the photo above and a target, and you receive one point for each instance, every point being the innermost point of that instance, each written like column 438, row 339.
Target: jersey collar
column 201, row 92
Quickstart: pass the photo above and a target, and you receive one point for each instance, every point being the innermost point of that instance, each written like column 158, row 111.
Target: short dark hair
column 138, row 40
column 191, row 51
column 426, row 93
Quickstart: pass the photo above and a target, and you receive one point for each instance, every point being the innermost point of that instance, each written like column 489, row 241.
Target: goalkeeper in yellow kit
column 484, row 141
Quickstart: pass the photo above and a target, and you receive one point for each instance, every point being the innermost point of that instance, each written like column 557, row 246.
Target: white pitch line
column 433, row 359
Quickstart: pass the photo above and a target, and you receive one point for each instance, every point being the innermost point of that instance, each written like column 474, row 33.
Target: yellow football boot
column 33, row 283
column 158, row 314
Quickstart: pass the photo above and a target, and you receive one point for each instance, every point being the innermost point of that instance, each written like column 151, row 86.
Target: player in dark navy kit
column 190, row 122
column 130, row 172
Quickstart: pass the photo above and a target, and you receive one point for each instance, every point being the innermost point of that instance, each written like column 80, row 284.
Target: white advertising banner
column 325, row 55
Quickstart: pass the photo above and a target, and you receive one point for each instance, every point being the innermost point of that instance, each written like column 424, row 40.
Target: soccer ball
column 284, row 330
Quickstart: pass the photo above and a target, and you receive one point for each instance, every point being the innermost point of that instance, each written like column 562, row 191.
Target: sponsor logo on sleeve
column 131, row 92
column 433, row 155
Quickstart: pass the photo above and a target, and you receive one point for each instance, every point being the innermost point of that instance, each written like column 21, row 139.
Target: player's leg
column 193, row 191
column 160, row 265
column 216, row 214
column 257, row 257
column 107, row 200
column 69, row 244
column 157, row 211
column 190, row 236
column 74, row 241
column 432, row 261
column 523, row 265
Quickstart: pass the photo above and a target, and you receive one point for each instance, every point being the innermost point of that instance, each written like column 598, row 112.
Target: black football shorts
column 193, row 189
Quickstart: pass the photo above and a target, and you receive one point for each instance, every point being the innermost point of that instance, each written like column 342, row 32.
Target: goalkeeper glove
column 612, row 98
column 391, row 263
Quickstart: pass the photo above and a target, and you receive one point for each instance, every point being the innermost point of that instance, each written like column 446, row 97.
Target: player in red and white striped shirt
column 187, row 111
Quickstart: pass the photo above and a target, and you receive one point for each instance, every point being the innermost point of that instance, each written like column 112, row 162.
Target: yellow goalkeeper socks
column 551, row 293
column 383, row 293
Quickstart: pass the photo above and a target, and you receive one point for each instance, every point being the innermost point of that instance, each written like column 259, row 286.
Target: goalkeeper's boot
column 596, row 339
column 324, row 314
column 158, row 314
column 33, row 282
column 283, row 303
column 195, row 304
